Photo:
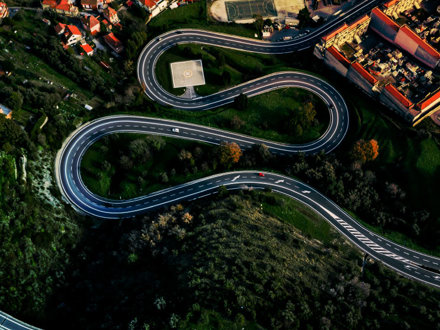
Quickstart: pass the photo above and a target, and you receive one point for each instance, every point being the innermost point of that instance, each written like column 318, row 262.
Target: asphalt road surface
column 9, row 322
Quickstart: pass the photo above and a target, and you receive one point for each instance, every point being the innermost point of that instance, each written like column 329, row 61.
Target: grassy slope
column 302, row 217
column 411, row 162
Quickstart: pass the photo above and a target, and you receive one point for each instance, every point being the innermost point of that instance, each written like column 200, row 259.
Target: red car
column 260, row 174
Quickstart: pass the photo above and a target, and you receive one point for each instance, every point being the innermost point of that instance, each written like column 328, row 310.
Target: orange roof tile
column 50, row 3
column 338, row 55
column 73, row 30
column 112, row 39
column 110, row 11
column 399, row 96
column 93, row 21
column 364, row 73
column 359, row 21
column 335, row 32
column 427, row 102
column 391, row 3
column 87, row 48
column 148, row 3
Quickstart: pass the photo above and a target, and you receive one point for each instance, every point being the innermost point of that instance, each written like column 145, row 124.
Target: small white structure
column 316, row 18
column 187, row 73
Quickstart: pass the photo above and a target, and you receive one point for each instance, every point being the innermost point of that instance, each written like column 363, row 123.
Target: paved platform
column 187, row 73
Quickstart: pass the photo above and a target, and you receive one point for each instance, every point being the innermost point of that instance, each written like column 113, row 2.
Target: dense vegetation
column 226, row 262
column 126, row 165
column 37, row 232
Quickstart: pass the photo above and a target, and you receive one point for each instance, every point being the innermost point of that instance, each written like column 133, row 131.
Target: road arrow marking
column 279, row 181
column 235, row 178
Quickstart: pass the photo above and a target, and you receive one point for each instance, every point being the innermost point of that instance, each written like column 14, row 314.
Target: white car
column 175, row 130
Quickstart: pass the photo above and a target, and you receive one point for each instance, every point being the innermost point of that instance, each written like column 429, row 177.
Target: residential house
column 63, row 7
column 153, row 6
column 91, row 24
column 3, row 10
column 107, row 25
column 87, row 49
column 60, row 28
column 72, row 35
column 5, row 111
column 92, row 4
column 147, row 4
column 111, row 15
column 113, row 42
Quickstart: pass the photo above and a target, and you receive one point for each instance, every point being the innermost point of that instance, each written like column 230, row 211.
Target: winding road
column 409, row 263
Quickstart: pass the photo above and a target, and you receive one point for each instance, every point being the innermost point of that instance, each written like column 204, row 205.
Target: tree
column 229, row 153
column 226, row 77
column 259, row 23
column 15, row 101
column 125, row 162
column 7, row 65
column 139, row 150
column 236, row 122
column 164, row 177
column 241, row 102
column 262, row 151
column 155, row 142
column 303, row 17
column 365, row 151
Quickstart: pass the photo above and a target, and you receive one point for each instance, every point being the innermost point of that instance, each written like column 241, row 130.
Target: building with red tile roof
column 346, row 33
column 4, row 12
column 72, row 35
column 91, row 24
column 430, row 101
column 390, row 3
column 341, row 58
column 364, row 73
column 92, row 4
column 335, row 32
column 59, row 28
column 63, row 7
column 148, row 4
column 404, row 37
column 72, row 29
column 409, row 41
column 87, row 49
column 383, row 25
column 5, row 110
column 399, row 96
column 367, row 79
column 113, row 42
column 49, row 4
column 111, row 15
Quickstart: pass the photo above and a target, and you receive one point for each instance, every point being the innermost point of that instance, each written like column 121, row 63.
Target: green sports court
column 238, row 10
